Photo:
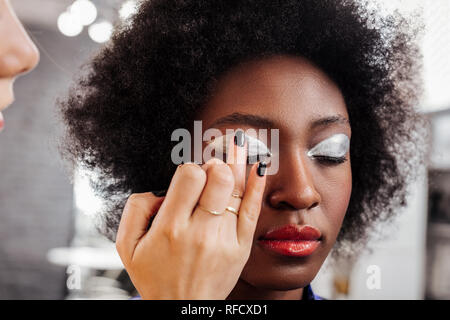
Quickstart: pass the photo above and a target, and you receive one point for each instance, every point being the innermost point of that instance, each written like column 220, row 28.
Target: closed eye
column 331, row 150
column 330, row 160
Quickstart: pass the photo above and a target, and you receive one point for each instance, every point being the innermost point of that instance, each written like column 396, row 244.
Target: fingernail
column 261, row 171
column 239, row 138
column 160, row 193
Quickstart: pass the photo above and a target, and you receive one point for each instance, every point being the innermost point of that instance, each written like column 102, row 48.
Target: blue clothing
column 308, row 294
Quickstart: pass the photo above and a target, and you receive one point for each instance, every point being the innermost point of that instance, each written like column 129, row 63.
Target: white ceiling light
column 128, row 9
column 85, row 10
column 69, row 24
column 101, row 31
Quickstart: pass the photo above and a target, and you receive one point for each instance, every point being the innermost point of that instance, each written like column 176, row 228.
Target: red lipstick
column 292, row 240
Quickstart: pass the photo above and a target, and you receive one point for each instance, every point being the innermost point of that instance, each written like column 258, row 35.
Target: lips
column 292, row 240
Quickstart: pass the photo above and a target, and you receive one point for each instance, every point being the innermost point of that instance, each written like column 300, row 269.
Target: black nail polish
column 261, row 171
column 160, row 193
column 239, row 138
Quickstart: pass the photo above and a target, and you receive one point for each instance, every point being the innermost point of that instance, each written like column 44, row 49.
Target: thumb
column 138, row 211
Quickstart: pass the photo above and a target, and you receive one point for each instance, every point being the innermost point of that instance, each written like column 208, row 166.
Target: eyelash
column 324, row 160
column 254, row 159
column 330, row 160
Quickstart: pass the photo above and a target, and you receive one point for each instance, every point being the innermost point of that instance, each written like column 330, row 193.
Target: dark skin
column 190, row 254
column 119, row 122
column 291, row 94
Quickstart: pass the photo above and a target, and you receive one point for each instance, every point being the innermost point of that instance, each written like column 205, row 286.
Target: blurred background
column 49, row 248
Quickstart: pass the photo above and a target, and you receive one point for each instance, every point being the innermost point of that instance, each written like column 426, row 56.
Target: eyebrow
column 262, row 122
column 329, row 120
column 244, row 119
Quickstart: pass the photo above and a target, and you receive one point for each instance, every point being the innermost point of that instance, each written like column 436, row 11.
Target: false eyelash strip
column 255, row 146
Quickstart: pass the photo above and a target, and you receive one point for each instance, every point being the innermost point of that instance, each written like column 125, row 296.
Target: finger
column 251, row 205
column 216, row 194
column 210, row 163
column 134, row 222
column 237, row 161
column 183, row 194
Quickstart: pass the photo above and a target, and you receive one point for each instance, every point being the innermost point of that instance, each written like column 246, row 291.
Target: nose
column 293, row 186
column 18, row 54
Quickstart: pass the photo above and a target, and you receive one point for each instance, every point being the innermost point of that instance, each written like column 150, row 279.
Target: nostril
column 284, row 205
column 30, row 59
column 315, row 204
column 15, row 63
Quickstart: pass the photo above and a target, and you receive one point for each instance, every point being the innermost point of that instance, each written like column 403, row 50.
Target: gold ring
column 236, row 194
column 216, row 213
column 232, row 210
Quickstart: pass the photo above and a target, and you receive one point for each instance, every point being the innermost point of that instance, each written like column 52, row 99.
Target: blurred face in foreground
column 18, row 54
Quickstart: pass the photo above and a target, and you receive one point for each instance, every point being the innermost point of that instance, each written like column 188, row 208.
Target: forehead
column 290, row 91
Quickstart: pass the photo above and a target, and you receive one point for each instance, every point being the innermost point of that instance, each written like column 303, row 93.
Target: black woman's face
column 297, row 98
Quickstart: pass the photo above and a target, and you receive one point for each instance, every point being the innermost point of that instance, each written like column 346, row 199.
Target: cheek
column 335, row 192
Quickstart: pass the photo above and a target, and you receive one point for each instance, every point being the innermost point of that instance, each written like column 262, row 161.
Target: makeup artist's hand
column 190, row 253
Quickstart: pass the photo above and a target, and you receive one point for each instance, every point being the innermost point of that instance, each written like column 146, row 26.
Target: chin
column 282, row 285
column 280, row 279
column 272, row 272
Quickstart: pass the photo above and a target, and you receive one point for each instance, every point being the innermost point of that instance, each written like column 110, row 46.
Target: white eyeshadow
column 255, row 146
column 335, row 146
